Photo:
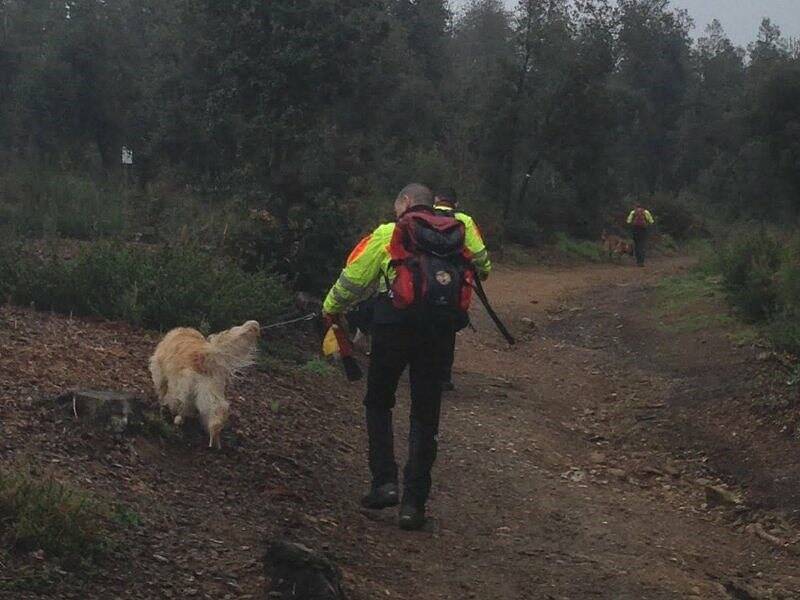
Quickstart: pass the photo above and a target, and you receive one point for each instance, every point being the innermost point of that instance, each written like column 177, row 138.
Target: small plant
column 41, row 513
column 155, row 426
column 317, row 366
column 126, row 517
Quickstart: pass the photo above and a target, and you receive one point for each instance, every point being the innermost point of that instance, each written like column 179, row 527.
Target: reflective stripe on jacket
column 367, row 269
column 473, row 241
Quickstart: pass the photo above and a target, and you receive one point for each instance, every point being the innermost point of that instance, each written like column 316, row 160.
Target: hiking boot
column 448, row 386
column 412, row 518
column 381, row 497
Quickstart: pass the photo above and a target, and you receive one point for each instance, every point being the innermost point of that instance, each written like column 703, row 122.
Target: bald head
column 414, row 194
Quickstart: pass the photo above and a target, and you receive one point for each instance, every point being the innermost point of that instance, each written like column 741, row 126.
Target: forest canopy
column 549, row 117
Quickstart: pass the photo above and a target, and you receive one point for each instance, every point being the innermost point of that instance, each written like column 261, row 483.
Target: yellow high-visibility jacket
column 368, row 269
column 647, row 217
column 473, row 241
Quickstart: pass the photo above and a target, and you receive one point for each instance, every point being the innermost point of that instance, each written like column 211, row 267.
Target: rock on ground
column 299, row 572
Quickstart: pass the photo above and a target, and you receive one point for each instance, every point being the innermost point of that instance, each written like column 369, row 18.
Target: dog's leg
column 215, row 439
column 163, row 390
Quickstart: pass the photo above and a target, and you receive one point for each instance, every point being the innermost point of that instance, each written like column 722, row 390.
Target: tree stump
column 115, row 411
column 299, row 573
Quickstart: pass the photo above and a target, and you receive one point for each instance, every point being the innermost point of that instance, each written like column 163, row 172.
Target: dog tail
column 231, row 360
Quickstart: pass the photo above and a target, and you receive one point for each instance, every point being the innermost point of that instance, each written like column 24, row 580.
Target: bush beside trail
column 159, row 289
column 761, row 276
column 41, row 514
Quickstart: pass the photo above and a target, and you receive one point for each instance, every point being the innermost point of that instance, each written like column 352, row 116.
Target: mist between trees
column 277, row 132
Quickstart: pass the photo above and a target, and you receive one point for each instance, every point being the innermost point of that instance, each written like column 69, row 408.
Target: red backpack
column 434, row 271
column 639, row 218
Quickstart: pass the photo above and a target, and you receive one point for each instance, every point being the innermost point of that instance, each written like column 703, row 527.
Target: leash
column 303, row 319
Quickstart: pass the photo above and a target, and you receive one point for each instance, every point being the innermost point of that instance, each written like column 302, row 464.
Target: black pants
column 639, row 244
column 450, row 356
column 423, row 350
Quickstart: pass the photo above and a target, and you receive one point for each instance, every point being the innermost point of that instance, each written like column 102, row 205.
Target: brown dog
column 190, row 373
column 615, row 245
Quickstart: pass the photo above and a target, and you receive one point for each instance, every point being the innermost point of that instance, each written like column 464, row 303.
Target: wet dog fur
column 615, row 245
column 190, row 373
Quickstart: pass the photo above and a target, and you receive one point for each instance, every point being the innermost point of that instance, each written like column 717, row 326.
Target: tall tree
column 653, row 73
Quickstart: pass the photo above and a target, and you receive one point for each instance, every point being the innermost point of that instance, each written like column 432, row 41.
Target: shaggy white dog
column 190, row 373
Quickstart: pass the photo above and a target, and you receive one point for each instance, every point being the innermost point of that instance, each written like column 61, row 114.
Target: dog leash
column 304, row 318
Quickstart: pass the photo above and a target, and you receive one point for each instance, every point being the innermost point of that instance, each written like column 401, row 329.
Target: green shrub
column 761, row 277
column 784, row 332
column 524, row 232
column 308, row 243
column 666, row 243
column 784, row 329
column 789, row 278
column 41, row 201
column 676, row 217
column 9, row 273
column 40, row 513
column 749, row 266
column 158, row 289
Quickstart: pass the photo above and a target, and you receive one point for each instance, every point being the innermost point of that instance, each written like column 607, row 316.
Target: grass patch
column 578, row 249
column 690, row 303
column 516, row 255
column 679, row 292
column 30, row 579
column 317, row 366
column 41, row 513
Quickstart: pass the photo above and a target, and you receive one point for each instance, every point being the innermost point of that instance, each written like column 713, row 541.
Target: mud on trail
column 590, row 461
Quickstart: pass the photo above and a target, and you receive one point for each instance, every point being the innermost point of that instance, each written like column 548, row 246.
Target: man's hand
column 329, row 320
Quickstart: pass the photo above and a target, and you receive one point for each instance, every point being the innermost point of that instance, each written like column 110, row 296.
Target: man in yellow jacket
column 446, row 201
column 640, row 219
column 398, row 340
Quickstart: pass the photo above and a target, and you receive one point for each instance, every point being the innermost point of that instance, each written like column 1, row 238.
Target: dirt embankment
column 580, row 464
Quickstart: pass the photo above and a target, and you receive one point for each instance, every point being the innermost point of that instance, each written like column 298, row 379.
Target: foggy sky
column 740, row 18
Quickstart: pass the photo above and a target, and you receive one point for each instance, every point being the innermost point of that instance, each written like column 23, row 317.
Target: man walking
column 446, row 202
column 640, row 220
column 403, row 335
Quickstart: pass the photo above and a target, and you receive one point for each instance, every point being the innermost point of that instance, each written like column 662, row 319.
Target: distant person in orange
column 640, row 221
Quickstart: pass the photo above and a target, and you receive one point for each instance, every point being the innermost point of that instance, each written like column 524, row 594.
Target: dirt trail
column 568, row 465
column 550, row 484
